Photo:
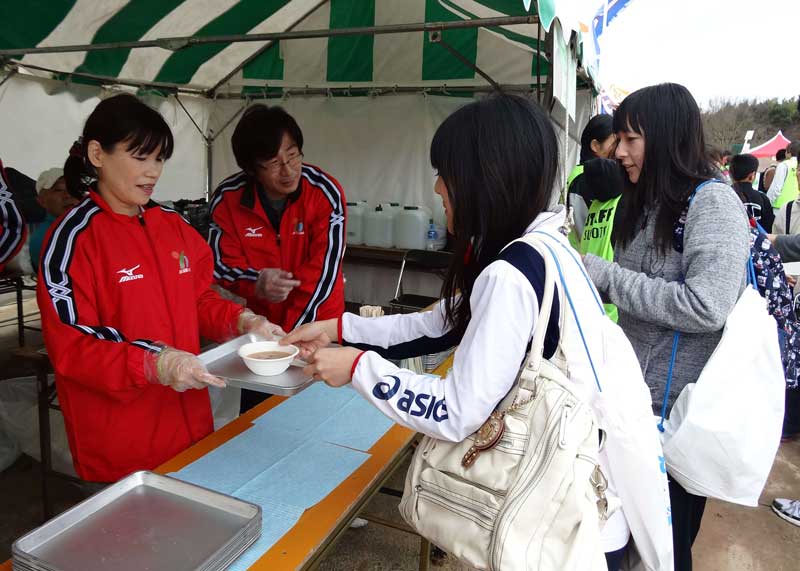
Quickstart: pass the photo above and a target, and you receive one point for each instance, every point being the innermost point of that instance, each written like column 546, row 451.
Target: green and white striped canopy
column 510, row 55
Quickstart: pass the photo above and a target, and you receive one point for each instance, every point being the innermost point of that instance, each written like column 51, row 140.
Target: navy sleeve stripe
column 530, row 263
column 13, row 224
column 222, row 271
column 56, row 259
column 335, row 250
column 415, row 347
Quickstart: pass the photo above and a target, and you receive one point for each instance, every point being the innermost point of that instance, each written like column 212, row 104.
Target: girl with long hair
column 680, row 255
column 496, row 162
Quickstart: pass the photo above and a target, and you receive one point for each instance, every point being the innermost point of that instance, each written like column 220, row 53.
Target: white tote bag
column 635, row 458
column 724, row 430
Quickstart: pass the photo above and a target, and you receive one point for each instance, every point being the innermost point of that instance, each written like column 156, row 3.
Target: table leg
column 424, row 554
column 20, row 313
column 44, row 436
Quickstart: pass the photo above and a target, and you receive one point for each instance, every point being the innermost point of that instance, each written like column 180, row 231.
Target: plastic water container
column 379, row 228
column 411, row 228
column 355, row 222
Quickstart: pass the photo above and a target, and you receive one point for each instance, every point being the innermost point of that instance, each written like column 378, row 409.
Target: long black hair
column 119, row 119
column 599, row 128
column 498, row 158
column 675, row 159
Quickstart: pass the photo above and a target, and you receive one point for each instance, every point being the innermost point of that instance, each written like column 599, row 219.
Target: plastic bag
column 19, row 423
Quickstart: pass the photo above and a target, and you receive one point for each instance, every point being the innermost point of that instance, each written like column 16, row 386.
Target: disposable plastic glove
column 178, row 370
column 275, row 284
column 249, row 322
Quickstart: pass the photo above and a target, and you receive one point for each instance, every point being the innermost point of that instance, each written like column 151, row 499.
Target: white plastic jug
column 411, row 228
column 378, row 228
column 355, row 222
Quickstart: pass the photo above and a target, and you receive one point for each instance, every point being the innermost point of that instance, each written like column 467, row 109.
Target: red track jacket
column 12, row 226
column 109, row 286
column 310, row 245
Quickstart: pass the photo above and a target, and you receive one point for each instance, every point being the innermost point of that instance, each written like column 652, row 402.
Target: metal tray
column 224, row 362
column 143, row 522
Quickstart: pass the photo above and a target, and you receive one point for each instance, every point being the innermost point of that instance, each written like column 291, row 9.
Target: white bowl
column 267, row 367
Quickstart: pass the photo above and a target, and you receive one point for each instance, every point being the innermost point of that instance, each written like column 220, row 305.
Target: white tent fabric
column 41, row 120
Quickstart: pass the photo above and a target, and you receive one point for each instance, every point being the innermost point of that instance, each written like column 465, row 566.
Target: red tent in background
column 768, row 149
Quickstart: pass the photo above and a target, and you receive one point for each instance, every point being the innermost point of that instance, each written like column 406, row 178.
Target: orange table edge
column 318, row 524
column 301, row 543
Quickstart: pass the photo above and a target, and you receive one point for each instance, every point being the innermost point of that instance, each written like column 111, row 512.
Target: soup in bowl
column 267, row 357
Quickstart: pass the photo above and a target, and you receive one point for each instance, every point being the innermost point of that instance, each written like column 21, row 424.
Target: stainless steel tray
column 143, row 522
column 224, row 362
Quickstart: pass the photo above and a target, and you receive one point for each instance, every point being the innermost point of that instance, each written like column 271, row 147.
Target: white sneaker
column 787, row 509
column 358, row 523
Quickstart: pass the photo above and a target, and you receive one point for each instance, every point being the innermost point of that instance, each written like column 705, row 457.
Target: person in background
column 717, row 157
column 596, row 189
column 743, row 172
column 125, row 294
column 278, row 227
column 52, row 195
column 787, row 220
column 784, row 188
column 12, row 226
column 597, row 141
column 657, row 286
column 765, row 180
column 788, row 246
column 726, row 163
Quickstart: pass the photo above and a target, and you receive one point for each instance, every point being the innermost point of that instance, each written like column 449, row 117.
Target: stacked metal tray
column 224, row 362
column 144, row 522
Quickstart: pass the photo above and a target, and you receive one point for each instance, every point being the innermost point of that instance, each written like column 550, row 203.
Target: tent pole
column 189, row 115
column 375, row 91
column 178, row 43
column 238, row 68
column 436, row 38
column 209, row 158
column 229, row 121
column 11, row 73
column 108, row 80
column 539, row 60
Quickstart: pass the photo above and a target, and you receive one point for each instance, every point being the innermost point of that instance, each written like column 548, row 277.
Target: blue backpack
column 766, row 272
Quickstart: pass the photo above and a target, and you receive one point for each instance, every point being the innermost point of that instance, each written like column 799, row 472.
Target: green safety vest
column 576, row 172
column 790, row 190
column 596, row 237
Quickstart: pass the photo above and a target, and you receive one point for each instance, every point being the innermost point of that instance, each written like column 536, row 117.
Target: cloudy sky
column 716, row 48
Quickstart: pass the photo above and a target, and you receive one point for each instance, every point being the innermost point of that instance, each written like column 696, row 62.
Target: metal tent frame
column 434, row 29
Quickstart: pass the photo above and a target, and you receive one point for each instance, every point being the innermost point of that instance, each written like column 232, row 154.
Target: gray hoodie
column 645, row 284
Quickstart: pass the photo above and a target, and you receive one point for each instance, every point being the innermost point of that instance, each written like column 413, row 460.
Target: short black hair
column 123, row 118
column 794, row 148
column 743, row 166
column 780, row 155
column 258, row 135
column 599, row 128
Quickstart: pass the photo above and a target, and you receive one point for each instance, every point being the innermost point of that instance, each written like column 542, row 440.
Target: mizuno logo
column 129, row 275
column 253, row 232
column 421, row 405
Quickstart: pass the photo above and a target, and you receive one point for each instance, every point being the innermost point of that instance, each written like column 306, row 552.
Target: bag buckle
column 600, row 484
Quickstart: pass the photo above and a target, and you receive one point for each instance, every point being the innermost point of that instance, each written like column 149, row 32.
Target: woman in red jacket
column 124, row 292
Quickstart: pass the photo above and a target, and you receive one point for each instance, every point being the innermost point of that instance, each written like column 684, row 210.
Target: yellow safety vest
column 576, row 172
column 790, row 190
column 596, row 237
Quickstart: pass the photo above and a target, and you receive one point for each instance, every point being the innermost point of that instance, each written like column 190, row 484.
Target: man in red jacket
column 278, row 227
column 12, row 226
